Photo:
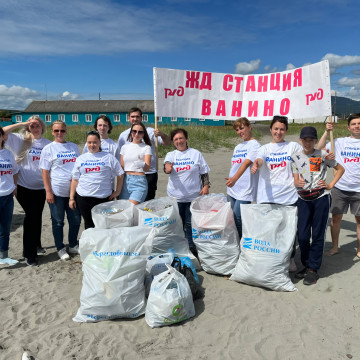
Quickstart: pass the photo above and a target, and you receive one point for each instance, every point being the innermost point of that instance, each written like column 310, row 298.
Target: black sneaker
column 301, row 274
column 311, row 277
column 40, row 251
column 30, row 262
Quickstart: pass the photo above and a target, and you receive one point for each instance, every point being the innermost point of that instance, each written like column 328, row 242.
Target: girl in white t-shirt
column 276, row 181
column 27, row 146
column 92, row 176
column 135, row 158
column 8, row 180
column 241, row 184
column 57, row 161
column 188, row 178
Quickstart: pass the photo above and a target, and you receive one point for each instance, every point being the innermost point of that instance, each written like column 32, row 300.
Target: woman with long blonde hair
column 27, row 146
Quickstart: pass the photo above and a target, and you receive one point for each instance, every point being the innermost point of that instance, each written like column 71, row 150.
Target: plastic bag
column 268, row 237
column 170, row 300
column 113, row 214
column 163, row 214
column 215, row 234
column 113, row 264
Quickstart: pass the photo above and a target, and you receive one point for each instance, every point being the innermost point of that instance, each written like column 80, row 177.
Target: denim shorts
column 135, row 187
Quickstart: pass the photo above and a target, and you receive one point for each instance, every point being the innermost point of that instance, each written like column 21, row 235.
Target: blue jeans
column 57, row 211
column 6, row 211
column 185, row 214
column 235, row 205
column 312, row 222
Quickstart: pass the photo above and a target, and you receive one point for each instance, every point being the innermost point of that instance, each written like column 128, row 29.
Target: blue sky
column 76, row 49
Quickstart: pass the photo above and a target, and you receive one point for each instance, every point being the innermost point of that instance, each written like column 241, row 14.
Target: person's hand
column 114, row 195
column 15, row 192
column 168, row 168
column 329, row 126
column 254, row 167
column 50, row 198
column 157, row 132
column 330, row 155
column 300, row 183
column 72, row 204
column 324, row 185
column 205, row 190
column 230, row 182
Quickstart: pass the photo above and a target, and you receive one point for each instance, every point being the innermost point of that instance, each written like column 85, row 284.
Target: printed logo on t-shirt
column 6, row 172
column 277, row 160
column 6, row 167
column 183, row 164
column 35, row 153
column 315, row 163
column 351, row 154
column 237, row 157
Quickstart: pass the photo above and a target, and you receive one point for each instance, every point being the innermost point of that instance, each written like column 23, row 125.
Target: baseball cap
column 308, row 131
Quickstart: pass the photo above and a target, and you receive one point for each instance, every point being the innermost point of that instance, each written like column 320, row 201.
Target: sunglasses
column 59, row 131
column 140, row 132
column 34, row 126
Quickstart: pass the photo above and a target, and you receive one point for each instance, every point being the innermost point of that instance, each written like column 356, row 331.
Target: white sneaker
column 74, row 250
column 63, row 255
column 292, row 266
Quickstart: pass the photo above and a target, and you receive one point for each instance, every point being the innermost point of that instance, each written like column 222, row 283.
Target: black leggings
column 32, row 201
column 85, row 204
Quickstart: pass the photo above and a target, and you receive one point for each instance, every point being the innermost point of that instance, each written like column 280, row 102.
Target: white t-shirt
column 107, row 145
column 95, row 173
column 123, row 140
column 347, row 154
column 184, row 181
column 276, row 181
column 245, row 188
column 59, row 159
column 30, row 175
column 8, row 168
column 131, row 153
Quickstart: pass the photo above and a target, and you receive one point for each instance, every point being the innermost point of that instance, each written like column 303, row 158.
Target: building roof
column 84, row 106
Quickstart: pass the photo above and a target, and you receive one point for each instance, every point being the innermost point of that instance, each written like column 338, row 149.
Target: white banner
column 299, row 93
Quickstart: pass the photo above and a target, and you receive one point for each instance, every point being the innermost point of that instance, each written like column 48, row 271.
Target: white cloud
column 16, row 97
column 247, row 67
column 290, row 67
column 337, row 61
column 345, row 81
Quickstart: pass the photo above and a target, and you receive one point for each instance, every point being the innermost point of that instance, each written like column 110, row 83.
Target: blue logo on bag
column 247, row 242
column 195, row 234
column 149, row 221
column 259, row 245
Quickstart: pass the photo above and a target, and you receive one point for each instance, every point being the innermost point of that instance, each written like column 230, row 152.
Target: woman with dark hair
column 188, row 178
column 135, row 158
column 27, row 146
column 276, row 180
column 57, row 162
column 104, row 126
column 8, row 180
column 241, row 184
column 92, row 175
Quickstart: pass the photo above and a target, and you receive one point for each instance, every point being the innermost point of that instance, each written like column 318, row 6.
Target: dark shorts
column 341, row 200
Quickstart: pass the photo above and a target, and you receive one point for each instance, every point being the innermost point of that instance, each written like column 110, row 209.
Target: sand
column 233, row 320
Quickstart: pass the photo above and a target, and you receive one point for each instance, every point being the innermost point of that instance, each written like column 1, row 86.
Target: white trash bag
column 114, row 265
column 113, row 214
column 215, row 234
column 163, row 214
column 268, row 237
column 170, row 300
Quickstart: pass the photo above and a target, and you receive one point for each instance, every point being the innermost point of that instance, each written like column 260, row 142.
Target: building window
column 159, row 118
column 127, row 118
column 88, row 118
column 187, row 119
column 47, row 118
column 117, row 118
column 62, row 117
column 75, row 118
column 202, row 119
column 145, row 118
column 18, row 118
column 173, row 118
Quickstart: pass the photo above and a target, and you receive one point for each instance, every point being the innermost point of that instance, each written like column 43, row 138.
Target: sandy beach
column 233, row 320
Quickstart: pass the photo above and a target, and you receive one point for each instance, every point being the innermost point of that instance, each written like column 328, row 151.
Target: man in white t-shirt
column 135, row 117
column 347, row 190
